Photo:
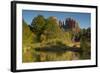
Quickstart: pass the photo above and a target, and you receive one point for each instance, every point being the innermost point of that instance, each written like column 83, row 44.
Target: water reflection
column 56, row 53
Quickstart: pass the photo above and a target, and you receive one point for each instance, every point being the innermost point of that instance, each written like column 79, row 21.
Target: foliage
column 28, row 38
column 51, row 28
column 45, row 40
column 28, row 35
column 86, row 43
column 38, row 24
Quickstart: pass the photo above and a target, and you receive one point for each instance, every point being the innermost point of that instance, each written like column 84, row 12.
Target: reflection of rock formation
column 70, row 24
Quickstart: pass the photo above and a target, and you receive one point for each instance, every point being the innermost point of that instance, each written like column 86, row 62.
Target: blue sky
column 84, row 19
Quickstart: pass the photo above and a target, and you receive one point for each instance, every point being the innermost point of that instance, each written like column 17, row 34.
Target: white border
column 21, row 65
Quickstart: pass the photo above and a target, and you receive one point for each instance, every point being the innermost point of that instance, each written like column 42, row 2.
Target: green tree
column 85, row 43
column 28, row 35
column 38, row 24
column 52, row 29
